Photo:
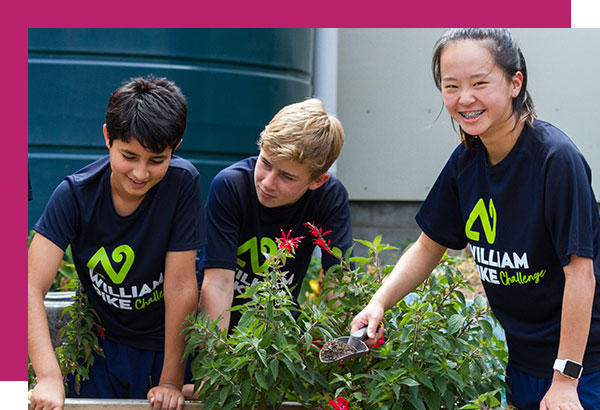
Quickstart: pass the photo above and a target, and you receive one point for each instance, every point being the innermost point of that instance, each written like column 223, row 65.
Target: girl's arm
column 578, row 299
column 415, row 265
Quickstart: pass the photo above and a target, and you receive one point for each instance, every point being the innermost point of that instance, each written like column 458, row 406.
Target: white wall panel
column 388, row 104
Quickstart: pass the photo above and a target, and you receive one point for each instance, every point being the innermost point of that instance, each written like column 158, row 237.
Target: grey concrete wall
column 388, row 105
column 393, row 220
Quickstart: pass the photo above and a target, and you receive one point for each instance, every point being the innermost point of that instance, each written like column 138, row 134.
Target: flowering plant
column 440, row 350
column 339, row 404
column 269, row 357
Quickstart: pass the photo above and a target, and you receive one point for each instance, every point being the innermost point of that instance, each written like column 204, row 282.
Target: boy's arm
column 216, row 296
column 181, row 298
column 43, row 263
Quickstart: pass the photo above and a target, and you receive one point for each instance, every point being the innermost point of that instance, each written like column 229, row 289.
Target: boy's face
column 135, row 170
column 282, row 182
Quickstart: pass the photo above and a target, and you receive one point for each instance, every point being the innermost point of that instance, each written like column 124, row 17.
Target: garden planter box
column 54, row 303
column 114, row 404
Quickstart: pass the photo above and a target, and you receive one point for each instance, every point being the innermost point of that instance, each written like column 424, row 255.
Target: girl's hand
column 370, row 316
column 561, row 395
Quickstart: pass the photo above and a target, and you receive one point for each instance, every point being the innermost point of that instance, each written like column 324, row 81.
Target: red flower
column 379, row 342
column 101, row 332
column 340, row 404
column 319, row 237
column 287, row 242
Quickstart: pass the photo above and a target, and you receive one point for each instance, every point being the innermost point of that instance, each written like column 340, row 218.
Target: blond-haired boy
column 253, row 200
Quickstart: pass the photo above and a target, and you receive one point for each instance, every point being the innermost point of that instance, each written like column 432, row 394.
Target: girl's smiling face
column 475, row 90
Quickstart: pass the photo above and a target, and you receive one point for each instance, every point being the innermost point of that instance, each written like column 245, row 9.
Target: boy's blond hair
column 305, row 133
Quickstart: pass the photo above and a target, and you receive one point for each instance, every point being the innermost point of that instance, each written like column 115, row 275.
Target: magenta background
column 226, row 13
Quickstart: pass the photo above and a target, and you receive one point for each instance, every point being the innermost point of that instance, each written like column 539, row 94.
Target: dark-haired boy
column 132, row 219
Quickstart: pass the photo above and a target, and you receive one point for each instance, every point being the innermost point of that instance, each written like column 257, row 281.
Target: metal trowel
column 355, row 340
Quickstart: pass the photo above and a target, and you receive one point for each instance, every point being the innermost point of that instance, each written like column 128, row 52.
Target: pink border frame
column 308, row 13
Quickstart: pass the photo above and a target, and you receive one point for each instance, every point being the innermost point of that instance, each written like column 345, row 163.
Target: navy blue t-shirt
column 120, row 260
column 240, row 228
column 522, row 218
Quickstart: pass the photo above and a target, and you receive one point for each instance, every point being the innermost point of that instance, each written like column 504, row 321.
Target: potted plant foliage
column 439, row 349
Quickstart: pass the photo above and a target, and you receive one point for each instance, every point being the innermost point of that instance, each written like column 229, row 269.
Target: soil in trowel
column 334, row 350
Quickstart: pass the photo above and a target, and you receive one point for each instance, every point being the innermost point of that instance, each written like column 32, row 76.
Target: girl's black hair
column 508, row 57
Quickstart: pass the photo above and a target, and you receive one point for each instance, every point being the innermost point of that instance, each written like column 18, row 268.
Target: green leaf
column 262, row 355
column 441, row 341
column 245, row 389
column 455, row 376
column 288, row 363
column 274, row 396
column 396, row 389
column 377, row 240
column 416, row 402
column 259, row 375
column 424, row 380
column 349, row 251
column 474, row 370
column 274, row 366
column 432, row 399
column 336, row 252
column 440, row 383
column 223, row 393
column 449, row 399
column 212, row 401
column 409, row 382
column 237, row 362
column 480, row 301
column 361, row 260
column 487, row 328
column 246, row 318
column 365, row 243
column 266, row 339
column 455, row 323
column 300, row 389
column 308, row 339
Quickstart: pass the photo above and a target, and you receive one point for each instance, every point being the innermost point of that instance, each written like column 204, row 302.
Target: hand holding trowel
column 345, row 347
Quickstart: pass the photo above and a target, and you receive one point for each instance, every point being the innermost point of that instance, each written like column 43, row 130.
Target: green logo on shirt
column 117, row 255
column 267, row 245
column 480, row 212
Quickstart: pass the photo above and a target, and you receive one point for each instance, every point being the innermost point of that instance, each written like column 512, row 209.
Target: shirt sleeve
column 187, row 229
column 569, row 204
column 59, row 221
column 222, row 215
column 440, row 216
